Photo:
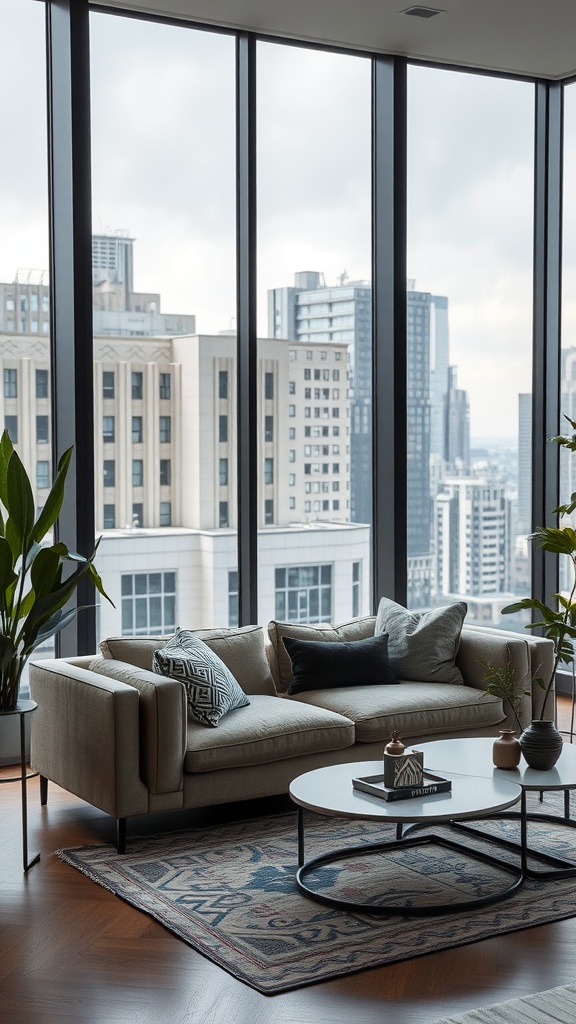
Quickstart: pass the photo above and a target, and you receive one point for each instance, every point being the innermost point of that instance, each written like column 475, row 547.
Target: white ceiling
column 536, row 38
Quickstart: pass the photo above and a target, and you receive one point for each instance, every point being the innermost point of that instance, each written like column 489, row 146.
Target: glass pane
column 315, row 331
column 163, row 259
column 24, row 251
column 469, row 347
column 568, row 355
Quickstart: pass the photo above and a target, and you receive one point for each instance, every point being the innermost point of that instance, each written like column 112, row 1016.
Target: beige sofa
column 116, row 734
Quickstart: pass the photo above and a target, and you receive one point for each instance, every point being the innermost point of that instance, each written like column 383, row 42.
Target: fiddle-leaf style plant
column 557, row 621
column 33, row 593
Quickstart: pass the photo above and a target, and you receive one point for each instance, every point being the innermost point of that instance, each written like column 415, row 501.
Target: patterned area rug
column 229, row 892
column 556, row 1006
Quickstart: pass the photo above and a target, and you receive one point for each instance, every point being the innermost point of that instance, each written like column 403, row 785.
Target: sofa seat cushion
column 270, row 729
column 412, row 709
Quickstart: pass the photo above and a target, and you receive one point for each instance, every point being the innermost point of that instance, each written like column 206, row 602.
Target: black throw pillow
column 322, row 664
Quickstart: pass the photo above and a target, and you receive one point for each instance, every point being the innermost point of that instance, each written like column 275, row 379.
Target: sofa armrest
column 163, row 714
column 85, row 736
column 529, row 657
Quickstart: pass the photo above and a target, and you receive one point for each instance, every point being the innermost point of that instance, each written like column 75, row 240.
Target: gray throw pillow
column 211, row 689
column 422, row 646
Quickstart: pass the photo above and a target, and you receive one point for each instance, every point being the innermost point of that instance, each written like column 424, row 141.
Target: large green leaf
column 559, row 540
column 6, row 449
column 53, row 503
column 46, row 572
column 20, row 499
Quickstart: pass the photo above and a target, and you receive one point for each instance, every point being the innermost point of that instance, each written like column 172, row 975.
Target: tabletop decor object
column 402, row 767
column 542, row 745
column 32, row 591
column 506, row 750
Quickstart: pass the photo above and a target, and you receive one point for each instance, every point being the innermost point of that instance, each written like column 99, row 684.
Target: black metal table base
column 559, row 866
column 305, row 868
column 22, row 709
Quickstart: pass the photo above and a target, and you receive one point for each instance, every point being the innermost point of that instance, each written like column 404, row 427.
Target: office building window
column 148, row 603
column 268, row 385
column 109, row 473
column 165, row 513
column 42, row 474
column 165, row 425
column 222, row 429
column 233, row 597
column 223, row 384
column 304, row 593
column 10, row 383
column 137, row 472
column 268, row 512
column 41, row 429
column 137, row 430
column 108, row 429
column 108, row 384
column 223, row 472
column 268, row 471
column 165, row 472
column 109, row 517
column 291, row 504
column 41, row 383
column 137, row 514
column 136, row 384
column 165, row 388
column 355, row 588
column 223, row 514
column 268, row 428
column 11, row 425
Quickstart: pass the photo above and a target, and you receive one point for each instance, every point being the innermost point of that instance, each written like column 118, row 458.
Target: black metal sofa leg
column 121, row 835
column 43, row 791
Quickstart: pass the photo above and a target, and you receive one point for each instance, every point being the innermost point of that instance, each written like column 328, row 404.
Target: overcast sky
column 163, row 170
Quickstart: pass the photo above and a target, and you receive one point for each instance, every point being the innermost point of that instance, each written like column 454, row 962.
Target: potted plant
column 33, row 593
column 557, row 622
column 500, row 682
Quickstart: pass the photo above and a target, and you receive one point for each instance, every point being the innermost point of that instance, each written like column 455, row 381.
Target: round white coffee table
column 329, row 791
column 473, row 757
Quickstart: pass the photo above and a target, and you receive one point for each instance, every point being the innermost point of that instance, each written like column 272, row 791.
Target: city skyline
column 469, row 150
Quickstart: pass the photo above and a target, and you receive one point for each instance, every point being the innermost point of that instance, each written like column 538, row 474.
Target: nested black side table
column 23, row 708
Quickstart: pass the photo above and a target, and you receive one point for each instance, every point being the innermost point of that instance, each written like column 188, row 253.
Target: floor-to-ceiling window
column 315, row 334
column 25, row 409
column 469, row 340
column 163, row 265
column 568, row 352
column 165, row 354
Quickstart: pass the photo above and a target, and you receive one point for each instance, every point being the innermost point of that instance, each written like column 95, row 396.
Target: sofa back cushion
column 356, row 629
column 242, row 650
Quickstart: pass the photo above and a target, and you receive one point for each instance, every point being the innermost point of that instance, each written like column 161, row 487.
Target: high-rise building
column 472, row 531
column 166, row 477
column 118, row 311
column 524, row 510
column 437, row 412
column 313, row 312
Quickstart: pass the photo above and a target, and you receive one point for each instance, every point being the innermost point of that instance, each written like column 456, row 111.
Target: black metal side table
column 23, row 708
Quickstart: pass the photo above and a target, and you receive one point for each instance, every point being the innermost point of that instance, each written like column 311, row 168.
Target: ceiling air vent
column 422, row 12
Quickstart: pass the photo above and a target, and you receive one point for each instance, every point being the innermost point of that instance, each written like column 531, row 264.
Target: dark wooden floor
column 72, row 953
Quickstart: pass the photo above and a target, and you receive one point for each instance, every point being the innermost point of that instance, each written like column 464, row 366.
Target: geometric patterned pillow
column 211, row 688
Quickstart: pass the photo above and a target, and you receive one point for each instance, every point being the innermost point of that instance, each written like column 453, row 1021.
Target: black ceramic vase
column 541, row 745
